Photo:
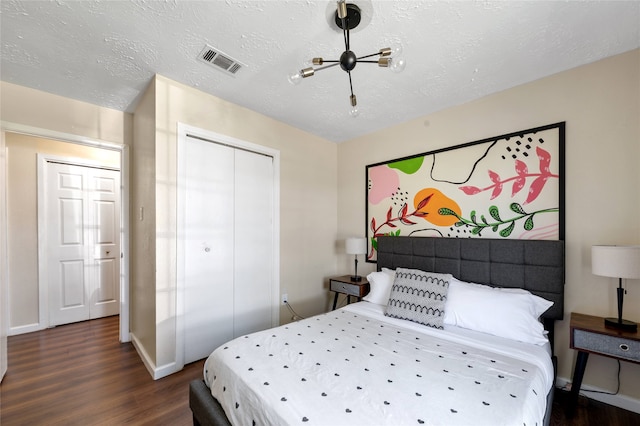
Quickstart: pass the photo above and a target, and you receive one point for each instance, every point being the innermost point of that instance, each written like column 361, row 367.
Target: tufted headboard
column 535, row 265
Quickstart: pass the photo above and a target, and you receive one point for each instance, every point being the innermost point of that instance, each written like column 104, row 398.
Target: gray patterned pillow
column 419, row 296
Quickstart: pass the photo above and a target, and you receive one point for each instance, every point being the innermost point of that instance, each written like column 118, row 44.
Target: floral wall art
column 508, row 186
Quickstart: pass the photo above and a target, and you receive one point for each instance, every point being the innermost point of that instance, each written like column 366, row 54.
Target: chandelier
column 347, row 17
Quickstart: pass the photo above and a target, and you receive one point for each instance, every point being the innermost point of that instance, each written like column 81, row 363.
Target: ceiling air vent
column 219, row 60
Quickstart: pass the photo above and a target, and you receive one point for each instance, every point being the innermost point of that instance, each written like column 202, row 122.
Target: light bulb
column 354, row 112
column 398, row 65
column 296, row 78
column 396, row 49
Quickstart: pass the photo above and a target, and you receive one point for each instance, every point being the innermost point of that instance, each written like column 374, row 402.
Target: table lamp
column 618, row 262
column 356, row 246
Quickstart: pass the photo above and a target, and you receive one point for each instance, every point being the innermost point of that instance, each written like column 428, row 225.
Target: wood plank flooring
column 79, row 374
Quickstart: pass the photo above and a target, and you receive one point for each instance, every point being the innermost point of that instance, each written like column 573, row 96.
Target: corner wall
column 308, row 204
column 143, row 228
column 600, row 103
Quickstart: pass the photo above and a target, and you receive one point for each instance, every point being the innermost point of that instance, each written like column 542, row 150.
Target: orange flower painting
column 509, row 186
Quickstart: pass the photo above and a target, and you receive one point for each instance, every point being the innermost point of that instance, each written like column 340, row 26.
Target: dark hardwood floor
column 79, row 374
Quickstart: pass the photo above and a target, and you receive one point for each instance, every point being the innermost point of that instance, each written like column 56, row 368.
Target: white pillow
column 540, row 305
column 509, row 313
column 380, row 286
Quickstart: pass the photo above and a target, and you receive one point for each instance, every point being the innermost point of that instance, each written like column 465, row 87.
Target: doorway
column 42, row 142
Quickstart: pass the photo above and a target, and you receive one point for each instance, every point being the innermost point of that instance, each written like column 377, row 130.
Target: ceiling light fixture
column 347, row 17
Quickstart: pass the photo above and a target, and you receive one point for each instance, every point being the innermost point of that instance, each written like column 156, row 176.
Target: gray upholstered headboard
column 535, row 265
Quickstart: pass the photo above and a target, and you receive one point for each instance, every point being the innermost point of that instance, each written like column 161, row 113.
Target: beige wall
column 21, row 106
column 31, row 107
column 600, row 103
column 143, row 225
column 308, row 203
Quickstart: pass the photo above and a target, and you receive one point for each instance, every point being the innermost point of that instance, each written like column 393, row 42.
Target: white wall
column 600, row 103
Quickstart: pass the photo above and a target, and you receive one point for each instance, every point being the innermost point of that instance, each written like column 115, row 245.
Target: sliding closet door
column 228, row 244
column 209, row 247
column 253, row 242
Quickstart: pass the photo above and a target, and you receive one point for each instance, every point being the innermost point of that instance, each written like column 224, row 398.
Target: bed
column 357, row 365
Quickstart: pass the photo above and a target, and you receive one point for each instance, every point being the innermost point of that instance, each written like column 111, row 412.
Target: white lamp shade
column 356, row 246
column 616, row 261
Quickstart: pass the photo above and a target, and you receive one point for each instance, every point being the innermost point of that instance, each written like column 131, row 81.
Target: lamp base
column 623, row 325
column 356, row 278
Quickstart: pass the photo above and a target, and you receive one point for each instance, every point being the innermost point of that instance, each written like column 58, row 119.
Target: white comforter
column 355, row 366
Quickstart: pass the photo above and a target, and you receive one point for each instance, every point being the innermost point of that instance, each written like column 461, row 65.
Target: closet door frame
column 183, row 131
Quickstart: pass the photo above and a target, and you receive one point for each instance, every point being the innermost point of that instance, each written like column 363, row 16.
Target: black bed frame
column 535, row 265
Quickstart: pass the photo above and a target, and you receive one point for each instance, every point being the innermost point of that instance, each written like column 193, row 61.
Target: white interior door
column 82, row 242
column 228, row 244
column 208, row 233
column 104, row 199
column 253, row 261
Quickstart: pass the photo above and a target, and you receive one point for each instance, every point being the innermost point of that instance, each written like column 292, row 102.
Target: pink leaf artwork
column 495, row 178
column 518, row 184
column 470, row 190
column 521, row 168
column 545, row 160
column 384, row 181
column 536, row 188
column 497, row 190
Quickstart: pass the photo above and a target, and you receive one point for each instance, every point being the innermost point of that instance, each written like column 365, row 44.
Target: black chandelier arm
column 369, row 56
column 345, row 33
column 336, row 62
column 350, row 83
column 327, row 66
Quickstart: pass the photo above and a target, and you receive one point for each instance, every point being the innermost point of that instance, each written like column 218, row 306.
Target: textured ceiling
column 106, row 52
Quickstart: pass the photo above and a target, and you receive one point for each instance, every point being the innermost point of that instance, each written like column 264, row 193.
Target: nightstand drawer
column 608, row 345
column 346, row 288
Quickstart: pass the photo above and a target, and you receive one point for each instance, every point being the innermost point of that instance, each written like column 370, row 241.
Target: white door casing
column 81, row 248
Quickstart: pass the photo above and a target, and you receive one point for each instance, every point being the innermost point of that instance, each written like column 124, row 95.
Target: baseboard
column 142, row 353
column 156, row 372
column 165, row 370
column 620, row 401
column 23, row 329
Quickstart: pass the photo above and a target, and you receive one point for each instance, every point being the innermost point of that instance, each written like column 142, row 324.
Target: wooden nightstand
column 345, row 285
column 589, row 335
